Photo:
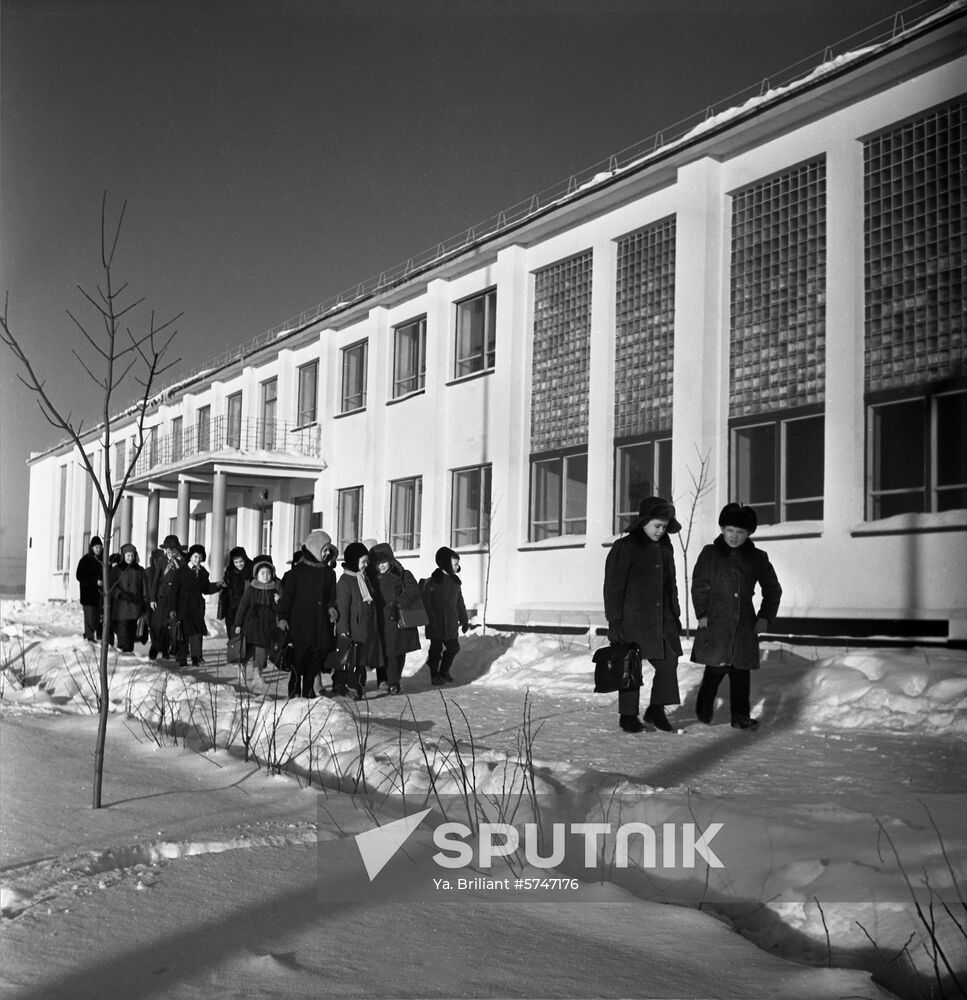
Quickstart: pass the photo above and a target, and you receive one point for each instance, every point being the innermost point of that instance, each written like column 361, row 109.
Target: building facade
column 769, row 309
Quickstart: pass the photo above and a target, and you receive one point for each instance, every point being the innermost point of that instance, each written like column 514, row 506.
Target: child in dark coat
column 446, row 611
column 129, row 596
column 727, row 640
column 192, row 585
column 257, row 615
column 89, row 575
column 357, row 624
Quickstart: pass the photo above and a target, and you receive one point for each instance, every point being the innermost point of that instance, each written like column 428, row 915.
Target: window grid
column 308, row 391
column 645, row 331
column 409, row 357
column 916, row 295
column 559, row 495
column 62, row 519
column 476, row 344
column 470, row 507
column 562, row 348
column 203, row 426
column 642, row 469
column 778, row 292
column 354, row 376
column 406, row 500
column 349, row 515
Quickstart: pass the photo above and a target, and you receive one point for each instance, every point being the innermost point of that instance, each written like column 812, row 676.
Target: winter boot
column 630, row 723
column 655, row 714
column 744, row 722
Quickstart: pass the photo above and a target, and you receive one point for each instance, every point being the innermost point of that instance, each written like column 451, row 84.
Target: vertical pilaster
column 184, row 509
column 154, row 517
column 216, row 555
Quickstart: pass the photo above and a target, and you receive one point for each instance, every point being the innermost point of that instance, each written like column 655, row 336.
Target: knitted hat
column 199, row 549
column 354, row 552
column 316, row 543
column 738, row 516
column 259, row 562
column 652, row 508
column 171, row 542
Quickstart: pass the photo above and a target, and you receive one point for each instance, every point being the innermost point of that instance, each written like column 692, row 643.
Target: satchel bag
column 617, row 667
column 280, row 650
column 141, row 631
column 236, row 651
column 413, row 617
column 222, row 611
column 176, row 632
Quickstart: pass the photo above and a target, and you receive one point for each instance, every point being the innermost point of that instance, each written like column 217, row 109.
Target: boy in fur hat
column 446, row 612
column 727, row 641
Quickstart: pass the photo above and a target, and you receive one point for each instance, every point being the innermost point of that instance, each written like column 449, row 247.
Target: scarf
column 361, row 583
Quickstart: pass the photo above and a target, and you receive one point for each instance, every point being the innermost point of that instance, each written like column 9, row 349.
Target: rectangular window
column 198, row 529
column 349, row 516
column 230, row 539
column 173, row 528
column 405, row 502
column 642, row 469
column 152, row 446
column 267, row 423
column 918, row 455
column 470, row 507
column 233, row 436
column 119, row 463
column 177, row 445
column 62, row 519
column 308, row 392
column 559, row 496
column 265, row 528
column 301, row 520
column 777, row 467
column 409, row 357
column 203, row 428
column 476, row 347
column 354, row 361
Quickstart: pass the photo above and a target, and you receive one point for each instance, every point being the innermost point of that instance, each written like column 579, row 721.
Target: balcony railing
column 222, row 434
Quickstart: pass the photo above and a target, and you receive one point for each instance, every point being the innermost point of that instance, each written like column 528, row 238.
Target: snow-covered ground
column 224, row 862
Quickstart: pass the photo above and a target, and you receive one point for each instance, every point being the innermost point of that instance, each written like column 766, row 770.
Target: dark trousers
column 440, row 657
column 308, row 661
column 189, row 646
column 124, row 630
column 664, row 686
column 394, row 668
column 740, row 687
column 92, row 621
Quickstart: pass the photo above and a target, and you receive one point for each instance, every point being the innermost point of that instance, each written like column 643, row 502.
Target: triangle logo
column 377, row 846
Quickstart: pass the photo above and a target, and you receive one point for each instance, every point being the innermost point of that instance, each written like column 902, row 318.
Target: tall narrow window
column 476, row 346
column 308, row 394
column 470, row 507
column 119, row 462
column 349, row 515
column 354, row 377
column 265, row 528
column 152, row 446
column 642, row 469
column 409, row 357
column 406, row 499
column 230, row 537
column 301, row 520
column 203, row 428
column 233, row 436
column 559, row 495
column 177, row 449
column 62, row 519
column 267, row 424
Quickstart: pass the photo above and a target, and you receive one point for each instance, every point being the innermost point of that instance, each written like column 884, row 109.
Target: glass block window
column 405, row 502
column 308, row 391
column 476, row 346
column 562, row 344
column 349, row 516
column 778, row 292
column 559, row 495
column 645, row 331
column 642, row 469
column 470, row 507
column 409, row 357
column 354, row 377
column 916, row 293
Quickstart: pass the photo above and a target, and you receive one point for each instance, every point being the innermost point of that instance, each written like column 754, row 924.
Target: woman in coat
column 446, row 613
column 641, row 605
column 727, row 640
column 238, row 572
column 192, row 584
column 89, row 575
column 357, row 622
column 129, row 597
column 163, row 595
column 393, row 588
column 307, row 609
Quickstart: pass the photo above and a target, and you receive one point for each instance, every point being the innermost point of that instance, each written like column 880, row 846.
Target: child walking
column 257, row 615
column 356, row 625
column 446, row 612
column 727, row 640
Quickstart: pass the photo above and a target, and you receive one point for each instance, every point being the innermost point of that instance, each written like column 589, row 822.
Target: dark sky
column 275, row 153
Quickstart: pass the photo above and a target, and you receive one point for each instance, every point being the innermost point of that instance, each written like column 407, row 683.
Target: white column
column 216, row 555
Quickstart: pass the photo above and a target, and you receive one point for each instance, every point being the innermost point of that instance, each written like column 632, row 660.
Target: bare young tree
column 117, row 353
column 702, row 485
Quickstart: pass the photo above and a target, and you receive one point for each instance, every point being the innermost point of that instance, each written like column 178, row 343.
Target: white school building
column 775, row 296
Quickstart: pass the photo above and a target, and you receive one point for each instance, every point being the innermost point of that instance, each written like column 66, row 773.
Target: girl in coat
column 393, row 588
column 89, row 575
column 238, row 573
column 129, row 597
column 357, row 622
column 727, row 640
column 446, row 612
column 641, row 605
column 193, row 584
column 257, row 614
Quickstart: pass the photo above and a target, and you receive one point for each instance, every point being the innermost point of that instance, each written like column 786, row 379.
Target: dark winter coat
column 164, row 590
column 129, row 592
column 308, row 592
column 358, row 618
column 443, row 600
column 256, row 616
column 723, row 588
column 233, row 582
column 397, row 588
column 88, row 575
column 641, row 593
column 192, row 584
